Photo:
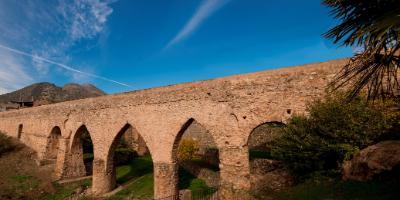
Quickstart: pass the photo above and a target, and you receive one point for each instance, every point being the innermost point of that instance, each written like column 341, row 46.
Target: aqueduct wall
column 229, row 108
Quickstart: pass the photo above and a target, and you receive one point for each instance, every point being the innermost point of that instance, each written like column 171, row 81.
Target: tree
column 332, row 132
column 374, row 27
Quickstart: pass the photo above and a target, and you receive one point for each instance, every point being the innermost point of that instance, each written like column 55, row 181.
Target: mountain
column 46, row 93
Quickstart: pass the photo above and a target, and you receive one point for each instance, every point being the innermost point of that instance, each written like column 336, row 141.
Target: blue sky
column 123, row 45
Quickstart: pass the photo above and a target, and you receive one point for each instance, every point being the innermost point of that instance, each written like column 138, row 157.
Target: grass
column 188, row 181
column 385, row 189
column 140, row 172
column 23, row 183
column 200, row 190
column 137, row 167
column 141, row 188
column 62, row 192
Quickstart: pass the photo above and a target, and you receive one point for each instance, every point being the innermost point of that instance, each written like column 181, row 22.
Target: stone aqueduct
column 229, row 108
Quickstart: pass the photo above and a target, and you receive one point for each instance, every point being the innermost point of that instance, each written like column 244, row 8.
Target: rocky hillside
column 46, row 93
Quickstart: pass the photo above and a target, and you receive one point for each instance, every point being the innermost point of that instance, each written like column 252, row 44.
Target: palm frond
column 375, row 26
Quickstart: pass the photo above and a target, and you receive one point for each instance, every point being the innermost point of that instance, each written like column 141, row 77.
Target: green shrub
column 332, row 132
column 187, row 149
column 123, row 156
column 6, row 143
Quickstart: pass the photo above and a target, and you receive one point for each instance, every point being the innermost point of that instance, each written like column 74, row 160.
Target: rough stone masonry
column 229, row 108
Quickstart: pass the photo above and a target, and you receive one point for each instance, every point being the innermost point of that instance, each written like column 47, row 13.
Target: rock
column 269, row 174
column 372, row 160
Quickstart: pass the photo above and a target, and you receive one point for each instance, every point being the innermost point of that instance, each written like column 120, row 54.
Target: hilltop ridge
column 47, row 93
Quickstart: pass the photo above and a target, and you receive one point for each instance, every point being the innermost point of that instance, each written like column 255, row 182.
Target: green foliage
column 86, row 183
column 332, row 132
column 141, row 188
column 187, row 149
column 137, row 176
column 384, row 188
column 24, row 182
column 135, row 168
column 364, row 21
column 6, row 144
column 189, row 181
column 256, row 154
column 65, row 191
column 375, row 26
column 208, row 160
column 123, row 156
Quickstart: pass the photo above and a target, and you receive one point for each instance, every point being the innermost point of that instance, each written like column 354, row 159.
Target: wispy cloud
column 205, row 10
column 84, row 18
column 49, row 30
column 66, row 67
column 12, row 73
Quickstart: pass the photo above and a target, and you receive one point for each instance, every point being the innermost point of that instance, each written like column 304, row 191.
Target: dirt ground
column 21, row 177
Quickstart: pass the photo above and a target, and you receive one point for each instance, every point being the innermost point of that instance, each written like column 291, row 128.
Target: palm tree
column 374, row 27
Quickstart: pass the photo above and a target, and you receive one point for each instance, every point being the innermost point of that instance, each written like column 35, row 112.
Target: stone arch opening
column 266, row 173
column 20, row 129
column 197, row 156
column 129, row 158
column 261, row 136
column 82, row 153
column 53, row 144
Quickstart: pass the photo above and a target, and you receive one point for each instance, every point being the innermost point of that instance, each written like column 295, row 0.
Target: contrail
column 61, row 65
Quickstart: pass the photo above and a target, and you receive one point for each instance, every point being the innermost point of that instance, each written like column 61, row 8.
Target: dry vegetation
column 20, row 177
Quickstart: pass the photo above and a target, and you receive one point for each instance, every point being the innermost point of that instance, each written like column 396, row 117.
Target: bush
column 87, row 143
column 332, row 132
column 124, row 156
column 187, row 149
column 6, row 143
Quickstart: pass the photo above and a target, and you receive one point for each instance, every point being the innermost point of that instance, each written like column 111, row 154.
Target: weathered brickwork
column 229, row 108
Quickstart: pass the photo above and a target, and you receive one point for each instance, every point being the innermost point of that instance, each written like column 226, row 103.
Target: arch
column 53, row 143
column 187, row 125
column 203, row 160
column 178, row 138
column 20, row 129
column 81, row 153
column 260, row 158
column 263, row 134
column 127, row 146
